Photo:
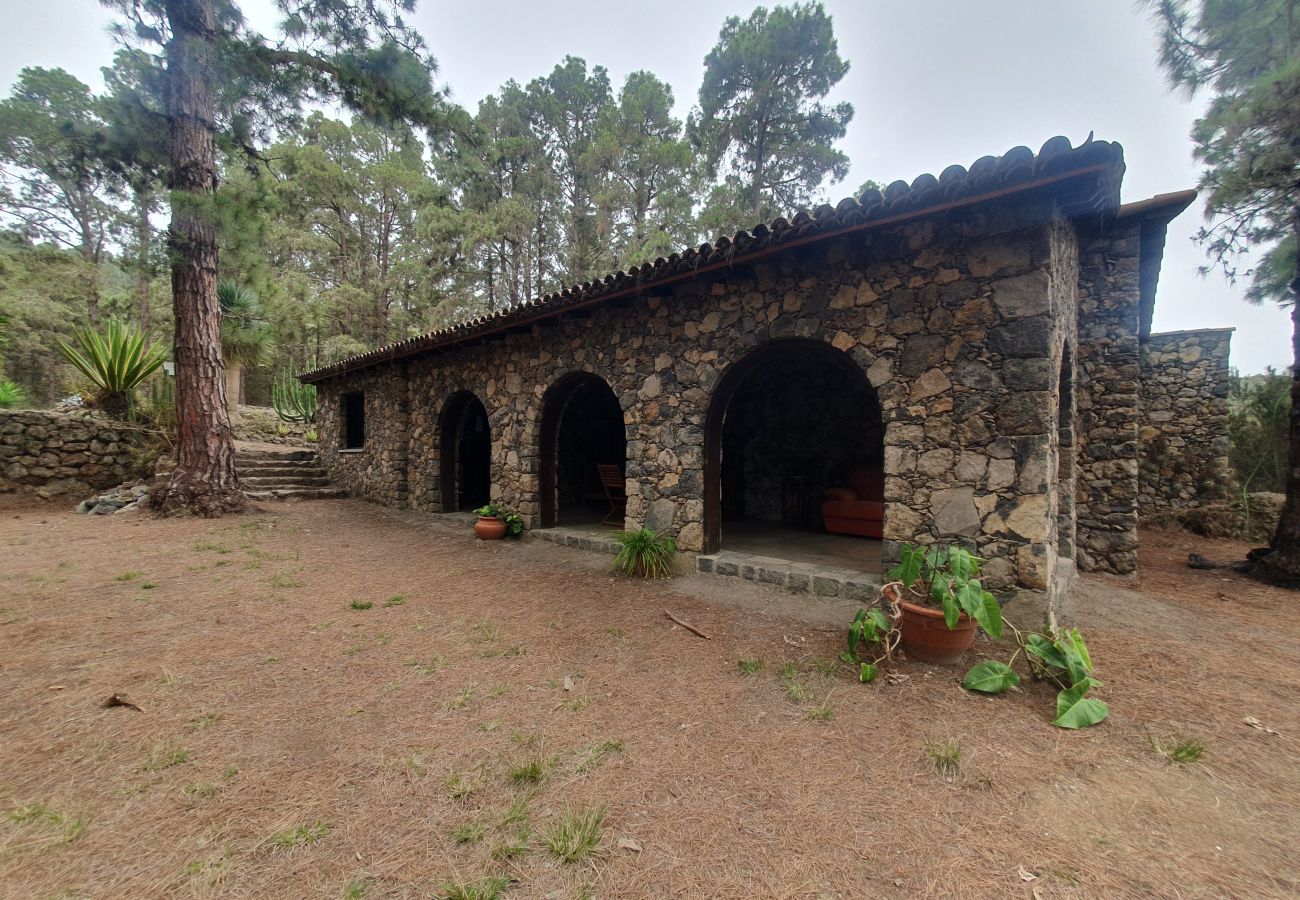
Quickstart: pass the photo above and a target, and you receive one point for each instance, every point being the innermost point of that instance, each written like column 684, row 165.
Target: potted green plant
column 940, row 601
column 495, row 522
column 644, row 553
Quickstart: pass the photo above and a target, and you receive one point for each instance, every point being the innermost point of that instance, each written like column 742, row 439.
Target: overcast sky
column 934, row 82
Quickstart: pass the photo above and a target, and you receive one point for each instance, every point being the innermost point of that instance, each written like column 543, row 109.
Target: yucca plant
column 644, row 553
column 115, row 362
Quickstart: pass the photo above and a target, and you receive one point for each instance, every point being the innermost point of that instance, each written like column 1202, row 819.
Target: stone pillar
column 1107, row 397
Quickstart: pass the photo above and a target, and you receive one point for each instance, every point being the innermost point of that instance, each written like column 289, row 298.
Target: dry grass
column 309, row 771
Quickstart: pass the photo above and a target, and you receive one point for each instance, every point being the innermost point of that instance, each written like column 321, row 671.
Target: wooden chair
column 611, row 479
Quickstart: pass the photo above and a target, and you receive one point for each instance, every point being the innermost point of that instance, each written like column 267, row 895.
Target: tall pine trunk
column 204, row 481
column 1282, row 564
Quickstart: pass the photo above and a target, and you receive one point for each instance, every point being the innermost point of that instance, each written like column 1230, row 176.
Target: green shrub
column 644, row 553
column 12, row 395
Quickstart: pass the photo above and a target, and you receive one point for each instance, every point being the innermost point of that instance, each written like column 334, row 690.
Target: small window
column 354, row 421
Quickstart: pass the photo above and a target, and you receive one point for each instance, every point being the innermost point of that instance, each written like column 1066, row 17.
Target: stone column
column 1107, row 397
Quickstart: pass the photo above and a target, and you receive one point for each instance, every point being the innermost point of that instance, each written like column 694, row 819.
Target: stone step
column 792, row 575
column 246, row 454
column 298, row 493
column 268, row 482
column 274, row 463
column 306, row 469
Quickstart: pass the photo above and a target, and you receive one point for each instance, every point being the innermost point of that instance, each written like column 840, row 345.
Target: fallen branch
column 688, row 626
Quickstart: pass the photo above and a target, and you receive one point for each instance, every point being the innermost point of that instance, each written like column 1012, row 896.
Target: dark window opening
column 354, row 421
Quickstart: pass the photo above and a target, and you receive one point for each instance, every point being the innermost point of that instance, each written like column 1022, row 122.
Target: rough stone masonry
column 996, row 313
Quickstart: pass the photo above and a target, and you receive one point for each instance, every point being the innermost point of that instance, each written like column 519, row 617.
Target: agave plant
column 115, row 362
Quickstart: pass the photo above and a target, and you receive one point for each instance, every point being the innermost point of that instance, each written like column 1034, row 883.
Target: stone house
column 978, row 338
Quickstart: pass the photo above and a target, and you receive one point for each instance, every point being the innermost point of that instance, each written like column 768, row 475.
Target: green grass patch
column 1179, row 750
column 575, row 835
column 598, row 753
column 165, row 756
column 69, row 829
column 489, row 887
column 361, row 604
column 945, row 756
column 468, row 833
column 127, row 576
column 750, row 666
column 822, row 712
column 302, row 836
column 395, row 601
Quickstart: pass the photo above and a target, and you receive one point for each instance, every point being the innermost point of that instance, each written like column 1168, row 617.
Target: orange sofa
column 859, row 508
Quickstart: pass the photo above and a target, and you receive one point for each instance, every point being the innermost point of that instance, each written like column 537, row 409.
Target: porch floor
column 840, row 551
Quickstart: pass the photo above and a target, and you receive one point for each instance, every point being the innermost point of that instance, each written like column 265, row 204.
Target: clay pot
column 926, row 636
column 490, row 528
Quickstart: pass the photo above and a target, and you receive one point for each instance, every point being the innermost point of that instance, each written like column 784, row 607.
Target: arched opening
column 794, row 458
column 1065, row 458
column 465, row 450
column 582, row 430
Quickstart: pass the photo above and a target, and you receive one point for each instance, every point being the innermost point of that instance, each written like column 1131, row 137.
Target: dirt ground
column 288, row 744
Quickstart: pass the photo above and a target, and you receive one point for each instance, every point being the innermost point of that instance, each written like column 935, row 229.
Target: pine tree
column 52, row 137
column 761, row 122
column 372, row 61
column 1246, row 54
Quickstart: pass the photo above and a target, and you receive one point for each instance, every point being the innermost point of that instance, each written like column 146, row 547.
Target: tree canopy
column 404, row 213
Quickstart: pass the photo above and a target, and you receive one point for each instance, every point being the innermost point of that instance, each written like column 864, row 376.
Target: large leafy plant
column 116, row 362
column 1062, row 658
column 947, row 578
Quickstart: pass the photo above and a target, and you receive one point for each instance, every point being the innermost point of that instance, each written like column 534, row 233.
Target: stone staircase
column 283, row 474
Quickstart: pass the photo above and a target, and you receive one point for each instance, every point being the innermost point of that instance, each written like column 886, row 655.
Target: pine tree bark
column 1281, row 564
column 204, row 480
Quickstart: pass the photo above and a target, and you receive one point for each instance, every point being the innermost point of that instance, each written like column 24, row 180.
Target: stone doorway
column 582, row 427
column 465, row 454
column 795, row 423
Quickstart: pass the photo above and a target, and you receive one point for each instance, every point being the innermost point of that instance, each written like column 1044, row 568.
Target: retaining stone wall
column 52, row 454
column 1184, row 423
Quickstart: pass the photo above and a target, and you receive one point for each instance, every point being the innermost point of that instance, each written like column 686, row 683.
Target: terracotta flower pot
column 926, row 636
column 490, row 528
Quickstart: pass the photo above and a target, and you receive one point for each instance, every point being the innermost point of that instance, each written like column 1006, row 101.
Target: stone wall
column 1106, row 397
column 1184, row 419
column 52, row 454
column 956, row 322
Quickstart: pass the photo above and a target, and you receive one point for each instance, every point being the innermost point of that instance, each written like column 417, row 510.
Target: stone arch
column 582, row 424
column 464, row 453
column 848, row 367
